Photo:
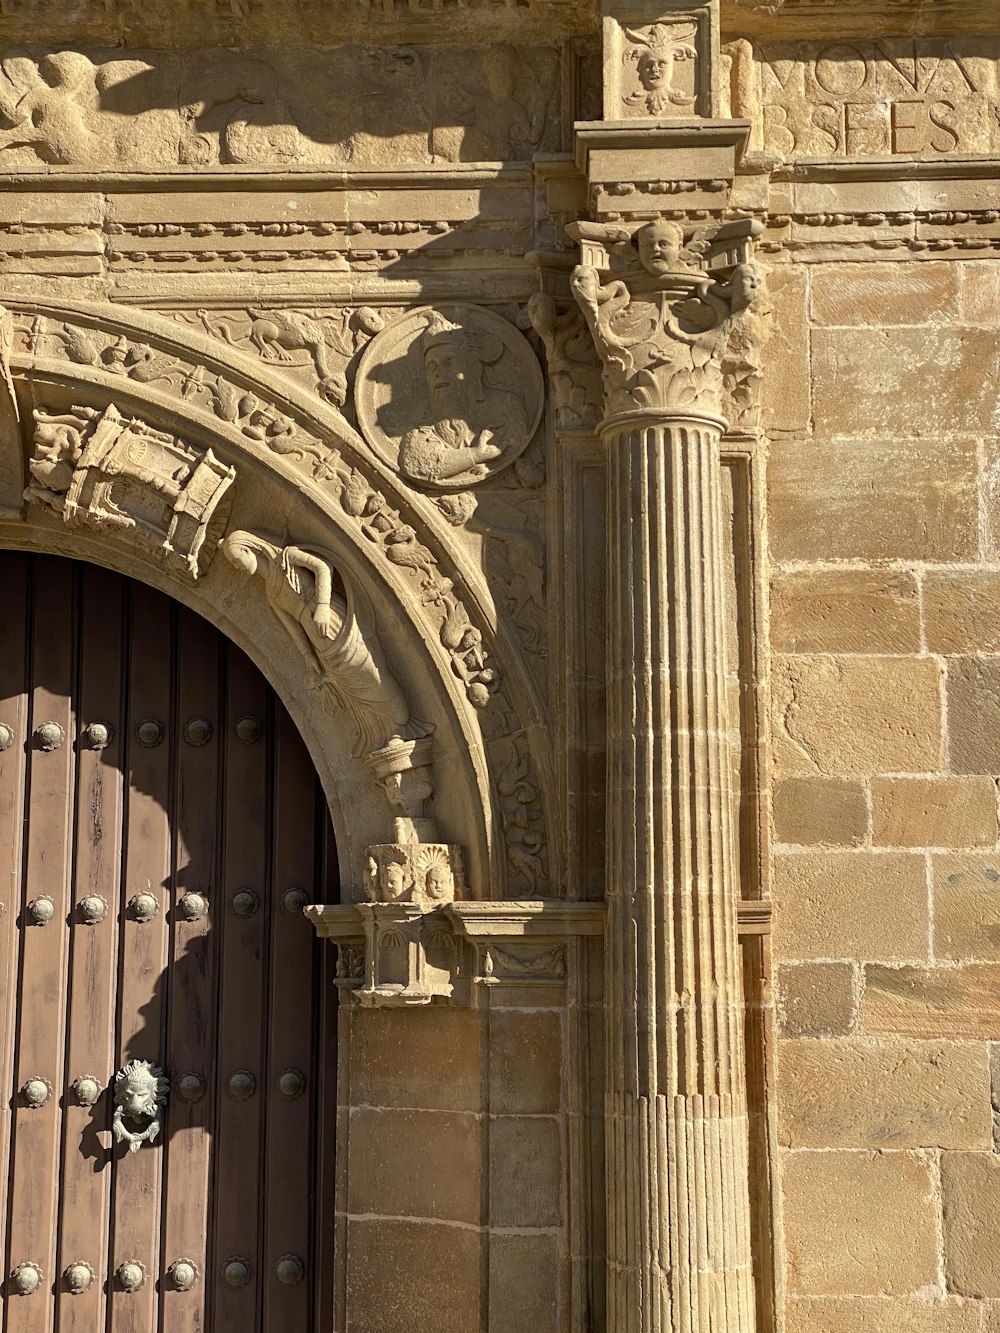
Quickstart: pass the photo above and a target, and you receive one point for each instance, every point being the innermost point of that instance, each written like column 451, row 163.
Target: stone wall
column 883, row 528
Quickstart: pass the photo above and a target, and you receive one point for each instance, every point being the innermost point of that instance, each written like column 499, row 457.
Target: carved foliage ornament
column 112, row 471
column 663, row 329
column 449, row 399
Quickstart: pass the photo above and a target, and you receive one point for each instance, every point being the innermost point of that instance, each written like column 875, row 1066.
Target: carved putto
column 426, row 874
column 339, row 657
column 140, row 1095
column 449, row 400
column 106, row 469
column 663, row 328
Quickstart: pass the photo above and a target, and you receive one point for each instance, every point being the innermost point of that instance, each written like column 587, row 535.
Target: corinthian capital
column 663, row 309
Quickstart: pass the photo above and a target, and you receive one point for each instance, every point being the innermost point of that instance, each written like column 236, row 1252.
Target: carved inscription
column 879, row 99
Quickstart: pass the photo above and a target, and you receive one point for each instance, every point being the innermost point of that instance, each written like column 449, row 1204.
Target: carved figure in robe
column 473, row 421
column 338, row 656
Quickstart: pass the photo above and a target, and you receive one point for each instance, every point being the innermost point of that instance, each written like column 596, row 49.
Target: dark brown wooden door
column 160, row 829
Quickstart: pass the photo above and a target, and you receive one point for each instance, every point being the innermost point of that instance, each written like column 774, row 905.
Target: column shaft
column 678, row 1194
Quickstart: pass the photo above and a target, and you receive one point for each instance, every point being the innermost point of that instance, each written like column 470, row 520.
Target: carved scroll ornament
column 663, row 330
column 102, row 468
column 449, row 400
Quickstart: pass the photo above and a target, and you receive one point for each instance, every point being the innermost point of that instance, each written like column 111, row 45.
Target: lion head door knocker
column 140, row 1096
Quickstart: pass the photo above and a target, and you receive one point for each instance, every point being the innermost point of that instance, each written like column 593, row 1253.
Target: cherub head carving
column 660, row 244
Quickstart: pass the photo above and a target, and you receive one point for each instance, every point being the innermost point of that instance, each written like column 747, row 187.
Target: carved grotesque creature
column 140, row 1095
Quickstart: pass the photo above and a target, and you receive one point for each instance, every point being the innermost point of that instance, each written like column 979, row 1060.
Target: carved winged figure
column 339, row 657
column 658, row 50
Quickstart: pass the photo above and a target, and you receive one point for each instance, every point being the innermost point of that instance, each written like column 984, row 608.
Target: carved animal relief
column 109, row 470
column 140, row 1095
column 449, row 399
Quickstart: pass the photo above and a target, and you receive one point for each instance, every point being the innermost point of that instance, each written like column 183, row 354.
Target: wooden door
column 161, row 828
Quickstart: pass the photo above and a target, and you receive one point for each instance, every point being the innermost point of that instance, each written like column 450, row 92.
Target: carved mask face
column 660, row 247
column 653, row 70
column 436, row 882
column 746, row 284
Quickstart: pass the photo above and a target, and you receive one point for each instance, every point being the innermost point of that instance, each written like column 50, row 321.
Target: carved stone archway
column 136, row 444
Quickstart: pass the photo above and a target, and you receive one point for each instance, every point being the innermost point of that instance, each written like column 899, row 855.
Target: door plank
column 289, row 1145
column 143, row 951
column 42, row 990
column 14, row 714
column 192, row 1019
column 242, row 995
column 86, row 1171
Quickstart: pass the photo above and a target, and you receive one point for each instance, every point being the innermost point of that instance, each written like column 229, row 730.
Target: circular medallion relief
column 449, row 398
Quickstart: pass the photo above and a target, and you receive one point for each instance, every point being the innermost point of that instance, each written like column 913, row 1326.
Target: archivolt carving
column 318, row 458
column 101, row 468
column 340, row 659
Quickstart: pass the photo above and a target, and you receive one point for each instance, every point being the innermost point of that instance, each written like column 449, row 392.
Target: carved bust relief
column 449, row 399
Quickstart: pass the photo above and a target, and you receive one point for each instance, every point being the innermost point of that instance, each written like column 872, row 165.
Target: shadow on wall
column 352, row 105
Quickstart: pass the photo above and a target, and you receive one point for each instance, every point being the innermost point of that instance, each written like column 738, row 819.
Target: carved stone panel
column 449, row 399
column 106, row 469
column 660, row 61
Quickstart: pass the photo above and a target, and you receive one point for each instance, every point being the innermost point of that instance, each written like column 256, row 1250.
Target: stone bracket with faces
column 413, row 952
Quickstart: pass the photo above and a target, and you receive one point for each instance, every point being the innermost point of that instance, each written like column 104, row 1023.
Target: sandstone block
column 885, row 294
column 414, row 1164
column 878, row 1315
column 845, row 611
column 525, row 1172
column 920, row 382
column 967, row 907
column 962, row 611
column 436, row 1068
column 786, row 403
column 959, row 1002
column 525, row 1062
column 980, row 292
column 859, row 1223
column 884, row 1094
column 974, row 714
column 816, row 999
column 442, row 1271
column 524, row 1284
column 847, row 905
column 934, row 812
column 819, row 810
column 970, row 1183
column 873, row 500
column 857, row 715
column 991, row 498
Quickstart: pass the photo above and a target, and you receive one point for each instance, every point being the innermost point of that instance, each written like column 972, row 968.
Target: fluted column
column 676, row 1123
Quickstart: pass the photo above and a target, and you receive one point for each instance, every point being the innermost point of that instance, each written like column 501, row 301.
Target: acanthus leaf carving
column 663, row 332
column 106, row 469
column 574, row 371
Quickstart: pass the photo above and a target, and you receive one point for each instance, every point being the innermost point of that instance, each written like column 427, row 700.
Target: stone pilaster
column 663, row 307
